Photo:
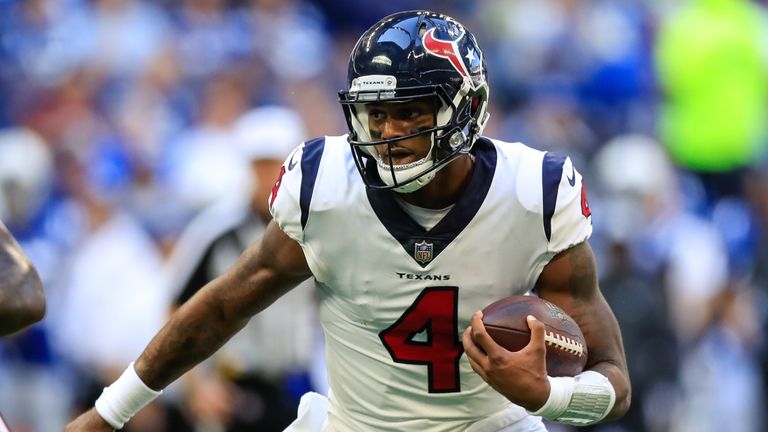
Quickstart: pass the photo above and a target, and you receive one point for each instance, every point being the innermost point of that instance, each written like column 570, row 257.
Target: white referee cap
column 24, row 158
column 635, row 163
column 269, row 132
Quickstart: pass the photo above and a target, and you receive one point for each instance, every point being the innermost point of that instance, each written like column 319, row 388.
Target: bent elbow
column 36, row 305
column 622, row 404
column 25, row 304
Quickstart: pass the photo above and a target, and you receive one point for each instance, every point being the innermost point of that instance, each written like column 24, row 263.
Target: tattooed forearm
column 203, row 324
column 195, row 331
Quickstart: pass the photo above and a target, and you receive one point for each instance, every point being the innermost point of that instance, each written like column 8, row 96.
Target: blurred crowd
column 139, row 140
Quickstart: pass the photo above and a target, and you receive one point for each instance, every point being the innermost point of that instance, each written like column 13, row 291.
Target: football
column 505, row 321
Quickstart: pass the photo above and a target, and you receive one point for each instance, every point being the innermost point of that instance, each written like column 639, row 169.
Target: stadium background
column 116, row 128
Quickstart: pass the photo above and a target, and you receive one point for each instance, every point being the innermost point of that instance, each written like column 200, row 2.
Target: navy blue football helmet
column 408, row 56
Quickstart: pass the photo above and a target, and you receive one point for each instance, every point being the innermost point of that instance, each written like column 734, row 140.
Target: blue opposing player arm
column 22, row 301
column 569, row 280
column 268, row 269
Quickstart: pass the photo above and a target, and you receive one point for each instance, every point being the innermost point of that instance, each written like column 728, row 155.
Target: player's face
column 394, row 120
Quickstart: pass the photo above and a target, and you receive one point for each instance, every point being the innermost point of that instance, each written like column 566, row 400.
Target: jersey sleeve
column 292, row 193
column 284, row 200
column 567, row 218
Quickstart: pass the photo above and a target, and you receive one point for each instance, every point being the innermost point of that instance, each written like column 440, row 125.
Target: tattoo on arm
column 194, row 332
column 214, row 314
column 570, row 281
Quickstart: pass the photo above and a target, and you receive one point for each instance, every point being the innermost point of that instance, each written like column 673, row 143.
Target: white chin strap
column 406, row 171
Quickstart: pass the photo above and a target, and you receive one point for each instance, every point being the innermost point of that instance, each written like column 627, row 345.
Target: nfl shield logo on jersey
column 423, row 252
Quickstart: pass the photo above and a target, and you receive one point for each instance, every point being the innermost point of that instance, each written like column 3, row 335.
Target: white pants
column 313, row 414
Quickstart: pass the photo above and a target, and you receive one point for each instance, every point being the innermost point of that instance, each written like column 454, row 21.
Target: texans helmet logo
column 445, row 49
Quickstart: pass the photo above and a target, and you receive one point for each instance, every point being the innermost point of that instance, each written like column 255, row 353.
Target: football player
column 22, row 301
column 410, row 224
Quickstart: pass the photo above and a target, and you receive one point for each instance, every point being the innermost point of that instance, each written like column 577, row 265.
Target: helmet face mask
column 408, row 56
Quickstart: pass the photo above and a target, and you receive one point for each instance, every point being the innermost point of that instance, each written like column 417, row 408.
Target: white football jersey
column 394, row 298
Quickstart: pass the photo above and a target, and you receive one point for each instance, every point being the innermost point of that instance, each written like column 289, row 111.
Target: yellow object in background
column 712, row 62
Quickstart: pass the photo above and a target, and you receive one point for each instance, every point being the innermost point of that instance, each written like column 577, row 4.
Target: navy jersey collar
column 425, row 245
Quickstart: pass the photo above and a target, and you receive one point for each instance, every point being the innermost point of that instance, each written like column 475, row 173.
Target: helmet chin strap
column 409, row 170
column 416, row 184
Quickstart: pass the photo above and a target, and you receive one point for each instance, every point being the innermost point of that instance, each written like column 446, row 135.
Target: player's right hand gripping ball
column 505, row 321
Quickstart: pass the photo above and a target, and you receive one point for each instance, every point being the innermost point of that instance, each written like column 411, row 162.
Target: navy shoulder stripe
column 310, row 163
column 551, row 173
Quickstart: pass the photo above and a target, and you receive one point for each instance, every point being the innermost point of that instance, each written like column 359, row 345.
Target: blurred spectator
column 289, row 36
column 27, row 360
column 567, row 86
column 26, row 171
column 115, row 274
column 39, row 46
column 294, row 53
column 210, row 38
column 721, row 387
column 645, row 212
column 255, row 380
column 120, row 37
column 350, row 16
column 202, row 165
column 153, row 108
column 713, row 69
column 669, row 283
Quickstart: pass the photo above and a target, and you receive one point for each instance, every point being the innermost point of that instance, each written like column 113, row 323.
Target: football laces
column 564, row 343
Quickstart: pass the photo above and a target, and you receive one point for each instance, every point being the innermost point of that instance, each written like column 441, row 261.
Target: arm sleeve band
column 581, row 400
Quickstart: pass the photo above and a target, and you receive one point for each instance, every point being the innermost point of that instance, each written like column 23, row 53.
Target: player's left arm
column 22, row 301
column 569, row 280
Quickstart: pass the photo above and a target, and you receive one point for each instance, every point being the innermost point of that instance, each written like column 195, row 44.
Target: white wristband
column 581, row 400
column 560, row 392
column 124, row 398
